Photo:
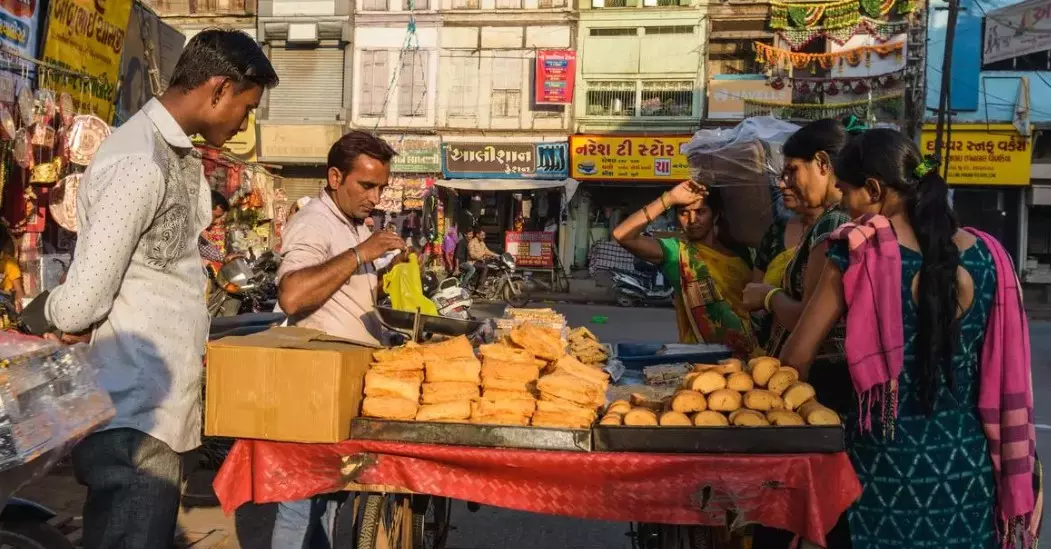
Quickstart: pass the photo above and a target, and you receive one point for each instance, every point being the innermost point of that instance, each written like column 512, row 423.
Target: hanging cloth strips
column 816, row 111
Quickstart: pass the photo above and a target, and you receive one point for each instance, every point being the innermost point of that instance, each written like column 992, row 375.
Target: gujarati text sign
column 627, row 158
column 534, row 249
column 984, row 154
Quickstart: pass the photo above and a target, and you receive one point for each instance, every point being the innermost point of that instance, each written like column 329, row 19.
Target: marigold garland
column 880, row 30
column 836, row 14
column 780, row 58
column 815, row 111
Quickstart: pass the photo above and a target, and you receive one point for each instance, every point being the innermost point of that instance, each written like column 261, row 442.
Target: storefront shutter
column 311, row 85
column 298, row 188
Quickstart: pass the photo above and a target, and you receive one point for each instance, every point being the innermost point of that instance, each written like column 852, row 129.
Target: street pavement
column 491, row 528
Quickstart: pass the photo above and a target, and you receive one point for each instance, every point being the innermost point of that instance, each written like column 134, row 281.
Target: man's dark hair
column 220, row 201
column 345, row 151
column 223, row 52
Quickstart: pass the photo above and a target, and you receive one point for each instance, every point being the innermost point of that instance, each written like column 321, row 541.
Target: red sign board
column 556, row 73
column 531, row 249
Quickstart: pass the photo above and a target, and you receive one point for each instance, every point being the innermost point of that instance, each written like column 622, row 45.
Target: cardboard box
column 290, row 384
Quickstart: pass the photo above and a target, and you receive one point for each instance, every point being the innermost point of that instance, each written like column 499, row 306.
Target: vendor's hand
column 755, row 294
column 685, row 193
column 69, row 339
column 377, row 245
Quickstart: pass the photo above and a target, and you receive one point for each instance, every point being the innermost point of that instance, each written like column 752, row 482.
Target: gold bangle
column 646, row 212
column 769, row 297
column 663, row 202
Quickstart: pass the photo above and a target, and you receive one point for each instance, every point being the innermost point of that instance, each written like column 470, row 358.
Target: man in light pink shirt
column 327, row 280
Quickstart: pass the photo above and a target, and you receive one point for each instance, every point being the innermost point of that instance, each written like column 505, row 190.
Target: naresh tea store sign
column 984, row 154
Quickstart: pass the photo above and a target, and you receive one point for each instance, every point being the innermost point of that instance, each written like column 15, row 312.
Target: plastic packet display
column 743, row 163
column 50, row 399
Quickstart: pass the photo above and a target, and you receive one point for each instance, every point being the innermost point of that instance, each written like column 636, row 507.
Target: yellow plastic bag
column 405, row 288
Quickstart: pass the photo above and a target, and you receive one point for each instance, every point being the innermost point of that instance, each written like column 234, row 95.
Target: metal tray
column 403, row 320
column 468, row 434
column 636, row 356
column 720, row 440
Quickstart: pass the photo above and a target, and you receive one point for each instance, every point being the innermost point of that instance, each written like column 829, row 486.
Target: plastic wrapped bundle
column 744, row 163
column 49, row 400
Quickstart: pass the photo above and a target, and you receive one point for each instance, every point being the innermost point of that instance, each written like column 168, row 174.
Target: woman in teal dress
column 926, row 474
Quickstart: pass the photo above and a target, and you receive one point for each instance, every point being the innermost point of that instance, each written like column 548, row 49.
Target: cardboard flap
column 290, row 337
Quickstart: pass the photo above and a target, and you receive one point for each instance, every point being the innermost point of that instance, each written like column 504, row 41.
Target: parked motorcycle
column 647, row 287
column 450, row 298
column 503, row 283
column 244, row 285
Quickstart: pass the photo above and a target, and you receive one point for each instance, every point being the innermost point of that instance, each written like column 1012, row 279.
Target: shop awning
column 510, row 185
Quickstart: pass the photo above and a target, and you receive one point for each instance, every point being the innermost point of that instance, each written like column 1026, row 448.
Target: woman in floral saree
column 705, row 266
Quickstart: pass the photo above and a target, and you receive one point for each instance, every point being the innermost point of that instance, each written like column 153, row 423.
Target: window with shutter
column 375, row 79
column 374, row 5
column 412, row 85
column 507, row 88
column 463, row 94
column 311, row 85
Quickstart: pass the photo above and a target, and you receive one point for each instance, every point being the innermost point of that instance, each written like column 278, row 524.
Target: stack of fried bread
column 451, row 383
column 392, row 384
column 718, row 395
column 585, row 347
column 509, row 377
column 570, row 394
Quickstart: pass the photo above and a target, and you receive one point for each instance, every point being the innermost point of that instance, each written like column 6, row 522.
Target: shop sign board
column 19, row 28
column 505, row 160
column 86, row 36
column 531, row 249
column 1016, row 30
column 297, row 142
column 628, row 158
column 984, row 154
column 726, row 97
column 416, row 154
column 556, row 73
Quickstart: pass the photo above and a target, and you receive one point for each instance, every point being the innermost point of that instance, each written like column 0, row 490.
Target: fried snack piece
column 762, row 400
column 513, row 371
column 640, row 417
column 571, row 388
column 558, row 421
column 457, row 409
column 782, row 380
column 763, row 368
column 672, row 418
column 724, row 400
column 784, row 417
column 487, row 407
column 408, row 353
column 740, row 382
column 581, row 333
column 505, row 353
column 642, row 401
column 497, row 394
column 413, row 376
column 701, row 368
column 708, row 382
column 501, row 419
column 457, row 369
column 566, row 408
column 448, row 391
column 576, row 368
column 687, row 402
column 816, row 414
column 730, row 366
column 612, row 420
column 457, row 347
column 400, row 365
column 619, row 407
column 379, row 385
column 797, row 394
column 389, row 408
column 710, row 418
column 542, row 342
column 687, row 380
column 748, row 418
column 508, row 385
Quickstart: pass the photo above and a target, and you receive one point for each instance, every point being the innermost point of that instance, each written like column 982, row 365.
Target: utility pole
column 944, row 103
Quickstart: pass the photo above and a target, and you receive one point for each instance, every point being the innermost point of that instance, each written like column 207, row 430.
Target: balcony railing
column 195, row 8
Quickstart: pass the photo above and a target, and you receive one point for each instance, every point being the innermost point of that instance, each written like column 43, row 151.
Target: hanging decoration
column 882, row 31
column 777, row 58
column 835, row 86
column 836, row 14
column 891, row 103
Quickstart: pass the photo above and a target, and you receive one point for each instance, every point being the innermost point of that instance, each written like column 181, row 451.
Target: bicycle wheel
column 387, row 517
column 430, row 522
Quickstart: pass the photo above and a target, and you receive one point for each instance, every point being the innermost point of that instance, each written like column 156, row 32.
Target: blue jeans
column 296, row 524
column 466, row 273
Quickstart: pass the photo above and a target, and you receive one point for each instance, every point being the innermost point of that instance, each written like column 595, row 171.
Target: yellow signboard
column 628, row 158
column 984, row 154
column 242, row 145
column 86, row 36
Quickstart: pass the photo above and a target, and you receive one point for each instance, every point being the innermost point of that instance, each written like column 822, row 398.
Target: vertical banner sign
column 19, row 24
column 87, row 36
column 534, row 249
column 556, row 73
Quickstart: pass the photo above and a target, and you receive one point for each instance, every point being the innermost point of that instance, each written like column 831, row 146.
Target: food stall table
column 801, row 493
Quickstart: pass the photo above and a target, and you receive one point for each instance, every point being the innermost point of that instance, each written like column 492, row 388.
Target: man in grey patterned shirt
column 137, row 285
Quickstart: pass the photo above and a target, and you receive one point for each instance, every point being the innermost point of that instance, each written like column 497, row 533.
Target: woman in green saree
column 707, row 268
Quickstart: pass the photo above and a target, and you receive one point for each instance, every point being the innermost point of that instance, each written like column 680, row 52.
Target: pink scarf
column 872, row 290
column 1005, row 399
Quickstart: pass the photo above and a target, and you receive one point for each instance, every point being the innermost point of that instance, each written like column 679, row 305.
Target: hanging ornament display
column 834, row 86
column 892, row 103
column 836, row 14
column 778, row 58
column 882, row 31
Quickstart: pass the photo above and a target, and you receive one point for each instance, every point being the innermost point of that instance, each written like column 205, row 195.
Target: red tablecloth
column 801, row 493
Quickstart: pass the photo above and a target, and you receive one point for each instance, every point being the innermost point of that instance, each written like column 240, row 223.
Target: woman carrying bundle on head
column 707, row 268
column 941, row 428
